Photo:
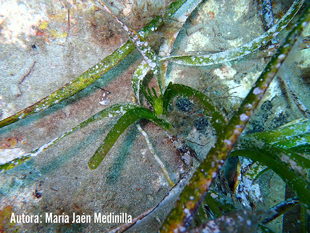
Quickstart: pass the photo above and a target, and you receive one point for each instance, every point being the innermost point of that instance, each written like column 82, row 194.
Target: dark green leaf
column 287, row 171
column 121, row 125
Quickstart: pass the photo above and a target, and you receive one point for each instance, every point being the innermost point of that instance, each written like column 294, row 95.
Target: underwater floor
column 47, row 44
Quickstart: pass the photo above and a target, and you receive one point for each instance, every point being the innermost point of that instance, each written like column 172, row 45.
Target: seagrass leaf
column 115, row 110
column 258, row 144
column 285, row 135
column 213, row 205
column 288, row 171
column 121, row 125
column 137, row 79
column 174, row 6
column 154, row 92
column 147, row 94
column 301, row 149
column 295, row 136
column 92, row 74
column 241, row 51
column 76, row 85
column 143, row 47
column 292, row 158
column 295, row 142
column 192, row 195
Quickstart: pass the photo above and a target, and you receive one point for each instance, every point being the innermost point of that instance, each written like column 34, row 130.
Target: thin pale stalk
column 193, row 194
column 158, row 160
column 166, row 200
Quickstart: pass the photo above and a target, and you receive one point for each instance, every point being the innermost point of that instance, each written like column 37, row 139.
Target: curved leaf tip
column 130, row 117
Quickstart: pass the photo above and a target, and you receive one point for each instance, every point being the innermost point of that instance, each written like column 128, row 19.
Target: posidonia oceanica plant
column 277, row 149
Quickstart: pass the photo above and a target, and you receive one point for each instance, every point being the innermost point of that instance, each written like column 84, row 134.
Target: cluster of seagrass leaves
column 275, row 150
column 151, row 62
column 160, row 106
column 131, row 112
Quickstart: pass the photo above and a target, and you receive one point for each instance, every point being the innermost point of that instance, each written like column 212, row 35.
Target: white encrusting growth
column 35, row 152
column 226, row 72
column 7, row 155
column 187, row 212
column 45, row 146
column 282, row 56
column 104, row 102
column 137, row 78
column 213, row 195
column 257, row 91
column 278, row 65
column 228, row 142
column 244, row 117
column 292, row 163
column 247, row 188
